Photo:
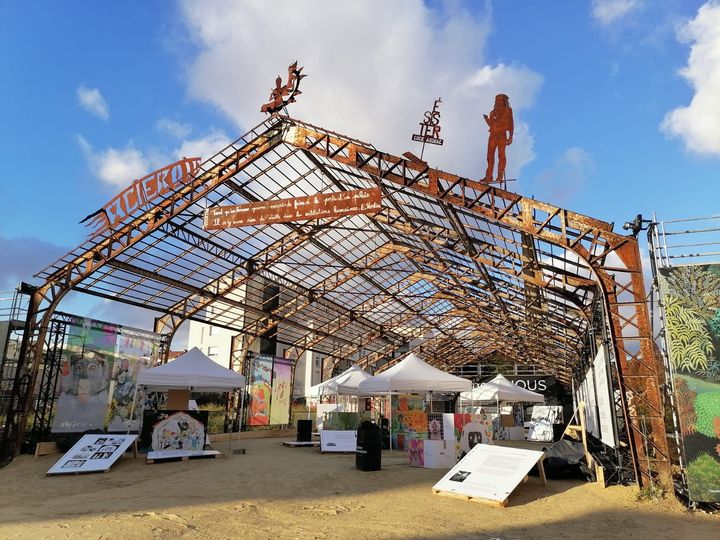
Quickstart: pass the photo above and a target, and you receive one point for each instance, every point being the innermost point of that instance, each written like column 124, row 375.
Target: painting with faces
column 86, row 367
column 98, row 374
column 133, row 354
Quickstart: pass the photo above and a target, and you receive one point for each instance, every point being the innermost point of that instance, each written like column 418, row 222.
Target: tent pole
column 390, row 417
column 132, row 410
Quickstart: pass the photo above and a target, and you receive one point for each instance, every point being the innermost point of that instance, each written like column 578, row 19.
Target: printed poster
column 133, row 354
column 691, row 302
column 409, row 420
column 164, row 431
column 83, row 388
column 280, row 400
column 259, row 413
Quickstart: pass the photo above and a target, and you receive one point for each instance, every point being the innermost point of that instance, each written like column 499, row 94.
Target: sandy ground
column 278, row 492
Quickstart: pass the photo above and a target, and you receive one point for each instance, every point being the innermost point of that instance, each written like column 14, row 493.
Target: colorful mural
column 132, row 355
column 409, row 420
column 260, row 389
column 691, row 301
column 87, row 360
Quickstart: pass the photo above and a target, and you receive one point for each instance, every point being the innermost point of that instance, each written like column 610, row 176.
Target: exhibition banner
column 691, row 303
column 605, row 405
column 260, row 390
column 98, row 374
column 133, row 354
column 86, row 366
column 280, row 399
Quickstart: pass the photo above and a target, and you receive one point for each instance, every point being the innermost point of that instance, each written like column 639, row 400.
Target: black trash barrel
column 304, row 430
column 369, row 447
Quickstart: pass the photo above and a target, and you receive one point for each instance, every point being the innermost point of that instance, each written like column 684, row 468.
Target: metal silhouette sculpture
column 290, row 90
column 501, row 129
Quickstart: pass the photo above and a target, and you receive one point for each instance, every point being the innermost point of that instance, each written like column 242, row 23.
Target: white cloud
column 173, row 128
column 116, row 167
column 203, row 147
column 567, row 176
column 93, row 102
column 698, row 124
column 373, row 68
column 609, row 12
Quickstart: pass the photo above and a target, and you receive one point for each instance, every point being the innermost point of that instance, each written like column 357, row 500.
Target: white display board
column 489, row 472
column 604, row 400
column 439, row 454
column 338, row 441
column 93, row 453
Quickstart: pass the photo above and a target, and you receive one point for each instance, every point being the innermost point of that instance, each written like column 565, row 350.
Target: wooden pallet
column 166, row 459
column 490, row 502
column 303, row 444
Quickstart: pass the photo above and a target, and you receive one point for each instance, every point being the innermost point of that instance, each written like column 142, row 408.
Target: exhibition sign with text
column 319, row 206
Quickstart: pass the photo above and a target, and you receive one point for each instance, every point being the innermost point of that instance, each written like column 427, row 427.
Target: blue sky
column 95, row 94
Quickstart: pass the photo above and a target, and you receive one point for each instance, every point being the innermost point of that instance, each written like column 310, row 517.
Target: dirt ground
column 278, row 492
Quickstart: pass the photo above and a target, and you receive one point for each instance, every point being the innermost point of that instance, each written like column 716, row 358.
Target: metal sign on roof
column 430, row 127
column 142, row 192
column 318, row 206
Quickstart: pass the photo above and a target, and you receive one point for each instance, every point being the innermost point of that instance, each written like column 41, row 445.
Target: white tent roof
column 500, row 389
column 345, row 383
column 191, row 370
column 413, row 375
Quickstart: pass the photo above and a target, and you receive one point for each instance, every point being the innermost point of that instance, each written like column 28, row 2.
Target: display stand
column 489, row 474
column 301, row 444
column 338, row 441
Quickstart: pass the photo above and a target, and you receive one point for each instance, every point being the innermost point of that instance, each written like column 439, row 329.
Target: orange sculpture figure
column 501, row 124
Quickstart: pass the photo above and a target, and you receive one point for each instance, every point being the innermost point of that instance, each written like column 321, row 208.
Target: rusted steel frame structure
column 591, row 240
column 451, row 267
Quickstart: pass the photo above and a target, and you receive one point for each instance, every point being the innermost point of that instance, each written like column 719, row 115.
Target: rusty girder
column 590, row 239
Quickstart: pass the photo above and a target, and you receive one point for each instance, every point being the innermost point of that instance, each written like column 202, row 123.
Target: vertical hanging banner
column 691, row 301
column 280, row 399
column 259, row 409
column 133, row 354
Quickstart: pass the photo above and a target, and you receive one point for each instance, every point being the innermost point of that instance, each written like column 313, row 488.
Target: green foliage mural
column 691, row 301
column 689, row 340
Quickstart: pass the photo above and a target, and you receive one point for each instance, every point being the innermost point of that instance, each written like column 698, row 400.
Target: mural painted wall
column 691, row 300
column 98, row 374
column 83, row 389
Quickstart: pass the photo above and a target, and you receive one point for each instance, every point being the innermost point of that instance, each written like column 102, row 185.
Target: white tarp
column 500, row 389
column 191, row 370
column 347, row 383
column 413, row 375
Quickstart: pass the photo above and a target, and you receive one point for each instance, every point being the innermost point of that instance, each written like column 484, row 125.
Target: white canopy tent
column 192, row 370
column 346, row 383
column 412, row 375
column 501, row 389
